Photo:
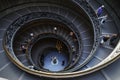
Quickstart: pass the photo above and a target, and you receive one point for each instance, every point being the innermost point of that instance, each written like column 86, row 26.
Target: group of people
column 59, row 45
column 99, row 12
column 109, row 40
column 74, row 39
column 24, row 46
column 106, row 39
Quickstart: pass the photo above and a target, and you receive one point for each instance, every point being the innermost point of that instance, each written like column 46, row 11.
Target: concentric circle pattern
column 58, row 39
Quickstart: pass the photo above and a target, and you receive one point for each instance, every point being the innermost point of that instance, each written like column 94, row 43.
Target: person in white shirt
column 103, row 19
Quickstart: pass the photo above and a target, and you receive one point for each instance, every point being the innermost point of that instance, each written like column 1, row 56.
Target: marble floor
column 55, row 61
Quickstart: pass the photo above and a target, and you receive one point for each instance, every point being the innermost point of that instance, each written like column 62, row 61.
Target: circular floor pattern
column 55, row 61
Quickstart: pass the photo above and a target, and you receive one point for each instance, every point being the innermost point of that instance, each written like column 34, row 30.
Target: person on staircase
column 109, row 40
column 63, row 63
column 55, row 29
column 114, row 39
column 23, row 48
column 99, row 11
column 105, row 39
column 103, row 19
column 32, row 35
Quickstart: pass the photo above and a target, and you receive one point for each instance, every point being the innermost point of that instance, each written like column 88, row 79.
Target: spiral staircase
column 69, row 28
